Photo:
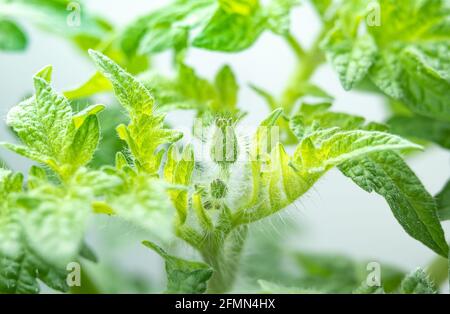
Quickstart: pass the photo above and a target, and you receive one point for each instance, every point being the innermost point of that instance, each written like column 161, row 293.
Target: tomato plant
column 207, row 186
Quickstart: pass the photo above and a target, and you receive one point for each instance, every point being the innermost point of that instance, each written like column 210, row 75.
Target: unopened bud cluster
column 224, row 146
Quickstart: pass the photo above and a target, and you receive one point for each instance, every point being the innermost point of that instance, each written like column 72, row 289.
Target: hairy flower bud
column 224, row 149
column 218, row 189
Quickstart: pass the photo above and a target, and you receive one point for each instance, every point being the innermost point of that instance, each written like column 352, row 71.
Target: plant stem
column 308, row 62
column 295, row 46
column 223, row 252
column 222, row 278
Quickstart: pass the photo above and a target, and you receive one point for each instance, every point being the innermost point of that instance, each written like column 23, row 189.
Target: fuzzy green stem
column 220, row 246
column 222, row 278
column 222, row 252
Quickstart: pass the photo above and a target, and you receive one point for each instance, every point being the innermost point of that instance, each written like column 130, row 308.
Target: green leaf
column 351, row 57
column 242, row 7
column 51, row 132
column 322, row 150
column 85, row 140
column 231, row 32
column 279, row 20
column 183, row 276
column 418, row 282
column 110, row 144
column 55, row 216
column 12, row 37
column 132, row 95
column 412, row 22
column 194, row 89
column 330, row 273
column 277, row 186
column 280, row 179
column 190, row 91
column 421, row 128
column 178, row 170
column 406, row 49
column 55, row 223
column 222, row 25
column 43, row 117
column 347, row 15
column 276, row 183
column 415, row 209
column 333, row 273
column 227, row 88
column 167, row 27
column 100, row 183
column 375, row 171
column 443, row 203
column 313, row 117
column 139, row 198
column 168, row 92
column 343, row 21
column 144, row 136
column 386, row 75
column 96, row 84
column 146, row 131
column 20, row 267
column 159, row 40
column 144, row 202
column 425, row 84
column 414, row 49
